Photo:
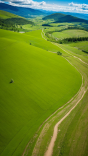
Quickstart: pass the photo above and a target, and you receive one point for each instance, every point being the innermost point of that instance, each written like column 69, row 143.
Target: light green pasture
column 70, row 33
column 81, row 45
column 75, row 51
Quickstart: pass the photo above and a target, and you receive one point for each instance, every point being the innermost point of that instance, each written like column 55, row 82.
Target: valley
column 47, row 89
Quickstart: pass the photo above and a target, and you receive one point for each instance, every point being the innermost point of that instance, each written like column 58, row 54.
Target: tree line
column 12, row 23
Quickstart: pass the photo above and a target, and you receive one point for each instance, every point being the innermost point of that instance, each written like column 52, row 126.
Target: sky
column 75, row 6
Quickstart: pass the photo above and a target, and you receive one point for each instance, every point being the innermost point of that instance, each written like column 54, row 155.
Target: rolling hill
column 55, row 16
column 59, row 17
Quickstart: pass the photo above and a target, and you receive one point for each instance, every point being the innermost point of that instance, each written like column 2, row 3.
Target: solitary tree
column 59, row 53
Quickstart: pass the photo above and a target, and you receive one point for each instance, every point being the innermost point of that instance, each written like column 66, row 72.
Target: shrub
column 59, row 53
column 11, row 81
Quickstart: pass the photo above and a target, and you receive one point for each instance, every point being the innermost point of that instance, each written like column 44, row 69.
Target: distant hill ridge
column 59, row 17
column 54, row 16
column 21, row 11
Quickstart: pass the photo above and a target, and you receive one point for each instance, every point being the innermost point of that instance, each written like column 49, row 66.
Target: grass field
column 30, row 39
column 70, row 33
column 81, row 45
column 77, row 52
column 43, row 82
column 72, row 135
column 5, row 15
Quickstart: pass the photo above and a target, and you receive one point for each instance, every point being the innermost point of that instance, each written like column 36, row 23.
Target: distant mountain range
column 79, row 15
column 28, row 12
column 21, row 11
column 59, row 17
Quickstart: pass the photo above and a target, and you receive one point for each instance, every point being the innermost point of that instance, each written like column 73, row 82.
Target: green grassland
column 43, row 82
column 30, row 39
column 6, row 15
column 81, row 45
column 78, row 52
column 70, row 33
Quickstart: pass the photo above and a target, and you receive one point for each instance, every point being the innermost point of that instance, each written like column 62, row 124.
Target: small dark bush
column 11, row 81
column 59, row 53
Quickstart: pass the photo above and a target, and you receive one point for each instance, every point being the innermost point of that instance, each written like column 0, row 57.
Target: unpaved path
column 72, row 55
column 42, row 35
column 51, row 145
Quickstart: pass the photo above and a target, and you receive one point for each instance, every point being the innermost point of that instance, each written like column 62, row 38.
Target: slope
column 5, row 15
column 43, row 82
column 7, row 18
column 69, row 18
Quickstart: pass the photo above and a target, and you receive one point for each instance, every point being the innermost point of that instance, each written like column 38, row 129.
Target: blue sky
column 75, row 6
column 65, row 1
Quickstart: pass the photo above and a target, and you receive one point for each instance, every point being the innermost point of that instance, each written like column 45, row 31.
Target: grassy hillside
column 30, row 39
column 81, row 46
column 5, row 15
column 12, row 22
column 69, row 18
column 43, row 82
column 59, row 17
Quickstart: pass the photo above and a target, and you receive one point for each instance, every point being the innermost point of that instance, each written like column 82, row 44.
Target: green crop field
column 70, row 33
column 43, row 82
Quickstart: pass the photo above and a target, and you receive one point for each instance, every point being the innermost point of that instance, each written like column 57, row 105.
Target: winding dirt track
column 51, row 145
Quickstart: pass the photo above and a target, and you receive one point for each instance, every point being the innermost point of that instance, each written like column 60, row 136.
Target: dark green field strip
column 43, row 82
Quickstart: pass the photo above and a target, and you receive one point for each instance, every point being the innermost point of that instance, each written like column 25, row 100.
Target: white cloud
column 71, row 7
column 79, row 6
